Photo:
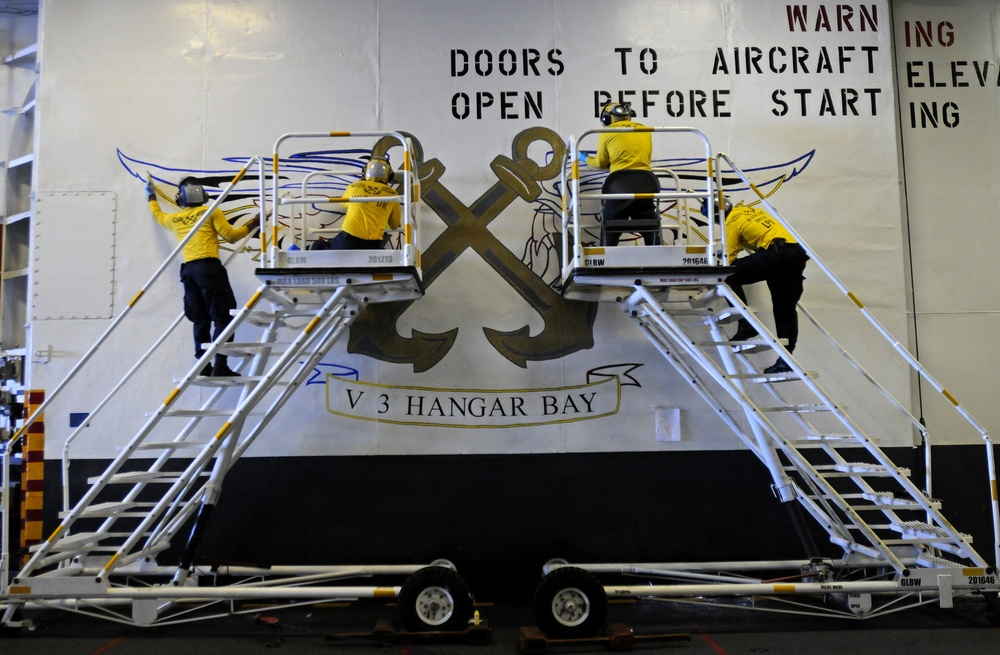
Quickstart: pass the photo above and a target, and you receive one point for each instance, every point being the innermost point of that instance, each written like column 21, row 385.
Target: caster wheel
column 570, row 603
column 435, row 598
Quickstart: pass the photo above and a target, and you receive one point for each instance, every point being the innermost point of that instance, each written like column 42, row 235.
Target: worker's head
column 190, row 193
column 614, row 112
column 379, row 169
column 714, row 211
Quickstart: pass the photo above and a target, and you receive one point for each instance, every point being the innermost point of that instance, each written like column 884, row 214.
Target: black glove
column 150, row 189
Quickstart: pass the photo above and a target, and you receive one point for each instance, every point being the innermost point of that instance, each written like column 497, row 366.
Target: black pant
column 631, row 181
column 345, row 241
column 780, row 265
column 208, row 299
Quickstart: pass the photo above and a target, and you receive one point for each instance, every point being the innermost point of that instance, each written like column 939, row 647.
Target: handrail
column 913, row 363
column 407, row 198
column 572, row 254
column 50, row 397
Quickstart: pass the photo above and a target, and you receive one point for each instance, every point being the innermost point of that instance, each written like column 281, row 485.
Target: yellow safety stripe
column 222, row 431
column 312, row 325
column 172, row 396
column 756, row 190
column 340, row 134
column 857, row 301
column 111, row 562
column 55, row 533
column 784, row 588
column 384, row 592
column 274, row 163
column 239, row 176
column 645, row 196
column 950, row 397
column 136, row 298
column 408, row 234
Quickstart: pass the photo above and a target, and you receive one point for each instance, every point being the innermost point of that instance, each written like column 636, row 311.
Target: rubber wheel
column 435, row 598
column 570, row 603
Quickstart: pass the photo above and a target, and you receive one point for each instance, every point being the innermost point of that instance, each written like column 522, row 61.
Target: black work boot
column 221, row 368
column 744, row 331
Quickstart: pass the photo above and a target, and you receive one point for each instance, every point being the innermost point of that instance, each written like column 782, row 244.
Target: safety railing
column 82, row 363
column 409, row 194
column 911, row 361
column 572, row 194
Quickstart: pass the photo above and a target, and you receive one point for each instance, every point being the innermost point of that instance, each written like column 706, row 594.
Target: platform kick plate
column 604, row 273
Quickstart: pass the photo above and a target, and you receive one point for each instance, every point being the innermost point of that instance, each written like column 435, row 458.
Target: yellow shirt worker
column 208, row 296
column 627, row 156
column 365, row 223
column 773, row 257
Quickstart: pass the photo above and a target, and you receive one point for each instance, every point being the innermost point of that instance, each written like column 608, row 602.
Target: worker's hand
column 582, row 156
column 150, row 189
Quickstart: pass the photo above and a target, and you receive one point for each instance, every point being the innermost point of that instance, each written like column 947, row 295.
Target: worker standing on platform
column 628, row 156
column 365, row 223
column 208, row 296
column 774, row 257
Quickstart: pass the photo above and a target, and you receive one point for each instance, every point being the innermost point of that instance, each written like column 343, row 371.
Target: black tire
column 435, row 598
column 570, row 603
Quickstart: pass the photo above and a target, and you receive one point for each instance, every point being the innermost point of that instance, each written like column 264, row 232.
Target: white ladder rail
column 816, row 505
column 912, row 361
column 755, row 415
column 237, row 416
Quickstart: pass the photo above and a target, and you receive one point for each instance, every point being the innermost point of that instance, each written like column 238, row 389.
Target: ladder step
column 201, row 413
column 808, row 407
column 171, row 445
column 74, row 540
column 884, row 499
column 925, row 531
column 111, row 509
column 825, row 440
column 133, row 477
column 852, row 469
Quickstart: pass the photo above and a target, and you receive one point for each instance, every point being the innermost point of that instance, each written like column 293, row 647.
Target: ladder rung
column 132, row 477
column 918, row 529
column 74, row 540
column 112, row 508
column 854, row 469
column 171, row 445
column 808, row 407
column 824, row 439
column 882, row 500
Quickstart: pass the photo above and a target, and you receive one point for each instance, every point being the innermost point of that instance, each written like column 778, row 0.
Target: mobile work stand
column 102, row 559
column 896, row 548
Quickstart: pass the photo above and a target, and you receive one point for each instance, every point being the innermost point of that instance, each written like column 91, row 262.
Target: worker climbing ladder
column 106, row 557
column 896, row 548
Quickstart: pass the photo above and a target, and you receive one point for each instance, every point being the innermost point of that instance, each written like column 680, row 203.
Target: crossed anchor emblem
column 568, row 324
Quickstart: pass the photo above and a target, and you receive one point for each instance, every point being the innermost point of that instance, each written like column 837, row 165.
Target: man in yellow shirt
column 365, row 223
column 628, row 156
column 208, row 296
column 774, row 257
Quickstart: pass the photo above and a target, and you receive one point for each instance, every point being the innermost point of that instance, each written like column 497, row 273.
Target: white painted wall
column 197, row 85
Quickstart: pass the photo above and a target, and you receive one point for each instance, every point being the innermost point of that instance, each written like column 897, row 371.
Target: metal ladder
column 134, row 509
column 102, row 558
column 815, row 453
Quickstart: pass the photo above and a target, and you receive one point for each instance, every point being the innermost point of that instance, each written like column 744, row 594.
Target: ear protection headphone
column 379, row 169
column 616, row 111
column 190, row 193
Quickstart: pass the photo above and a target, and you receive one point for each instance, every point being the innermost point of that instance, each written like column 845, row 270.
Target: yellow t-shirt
column 370, row 220
column 623, row 150
column 749, row 228
column 205, row 242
